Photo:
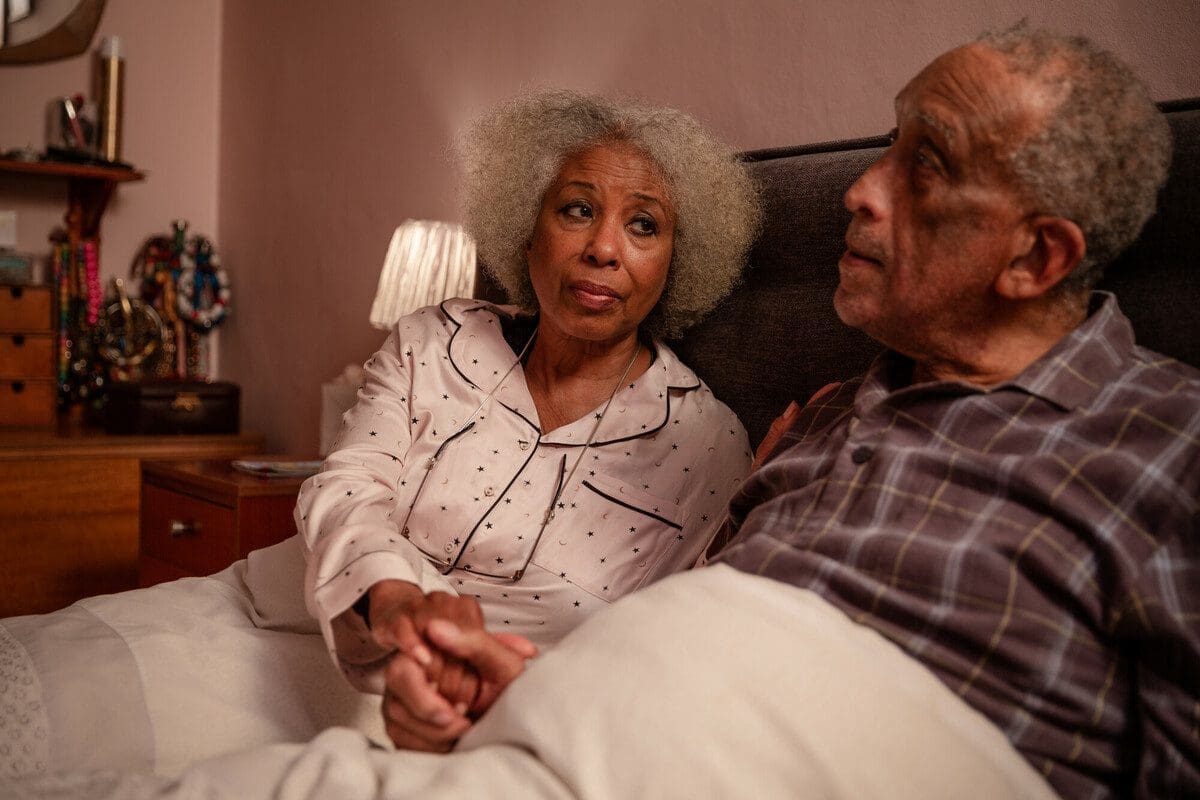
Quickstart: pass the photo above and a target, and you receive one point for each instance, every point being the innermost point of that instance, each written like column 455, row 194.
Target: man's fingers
column 518, row 644
column 493, row 660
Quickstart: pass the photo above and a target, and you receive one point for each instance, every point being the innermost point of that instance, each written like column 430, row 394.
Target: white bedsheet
column 708, row 684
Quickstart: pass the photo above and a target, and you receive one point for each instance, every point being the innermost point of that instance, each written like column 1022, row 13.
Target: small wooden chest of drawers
column 198, row 517
column 27, row 387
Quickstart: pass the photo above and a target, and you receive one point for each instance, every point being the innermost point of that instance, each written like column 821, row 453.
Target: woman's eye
column 577, row 210
column 644, row 226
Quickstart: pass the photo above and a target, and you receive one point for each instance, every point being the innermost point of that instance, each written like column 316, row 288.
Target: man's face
column 935, row 218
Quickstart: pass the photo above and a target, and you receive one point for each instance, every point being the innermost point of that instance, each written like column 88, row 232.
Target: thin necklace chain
column 592, row 436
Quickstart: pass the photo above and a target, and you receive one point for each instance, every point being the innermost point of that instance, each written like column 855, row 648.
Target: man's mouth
column 860, row 258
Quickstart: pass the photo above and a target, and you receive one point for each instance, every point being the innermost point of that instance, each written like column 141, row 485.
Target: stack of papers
column 278, row 469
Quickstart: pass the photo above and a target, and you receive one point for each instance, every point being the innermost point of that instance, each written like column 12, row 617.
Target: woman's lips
column 593, row 295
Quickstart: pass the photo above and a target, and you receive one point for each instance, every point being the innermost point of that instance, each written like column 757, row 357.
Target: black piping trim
column 500, row 496
column 620, row 502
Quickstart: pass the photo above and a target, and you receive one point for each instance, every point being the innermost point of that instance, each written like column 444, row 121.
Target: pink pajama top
column 417, row 489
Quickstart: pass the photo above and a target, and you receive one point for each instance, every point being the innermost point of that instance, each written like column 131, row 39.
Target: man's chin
column 851, row 308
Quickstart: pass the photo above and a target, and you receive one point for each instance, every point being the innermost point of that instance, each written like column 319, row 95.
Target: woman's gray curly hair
column 514, row 153
column 1102, row 153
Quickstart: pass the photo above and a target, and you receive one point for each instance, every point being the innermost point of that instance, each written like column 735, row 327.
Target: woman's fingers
column 410, row 733
column 406, row 683
column 458, row 683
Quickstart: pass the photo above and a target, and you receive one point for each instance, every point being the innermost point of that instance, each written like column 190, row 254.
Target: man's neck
column 1001, row 349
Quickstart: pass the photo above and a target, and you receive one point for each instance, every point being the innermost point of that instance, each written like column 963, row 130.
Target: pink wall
column 337, row 118
column 171, row 132
column 299, row 133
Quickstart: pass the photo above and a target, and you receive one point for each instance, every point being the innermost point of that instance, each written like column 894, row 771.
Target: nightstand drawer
column 192, row 534
column 26, row 355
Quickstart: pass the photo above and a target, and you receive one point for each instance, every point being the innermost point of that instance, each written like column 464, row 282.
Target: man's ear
column 1051, row 248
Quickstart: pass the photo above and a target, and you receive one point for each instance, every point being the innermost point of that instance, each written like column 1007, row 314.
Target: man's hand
column 417, row 716
column 497, row 658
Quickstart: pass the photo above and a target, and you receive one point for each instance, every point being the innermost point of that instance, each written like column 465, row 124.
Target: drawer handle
column 18, row 387
column 180, row 528
column 18, row 340
column 16, row 292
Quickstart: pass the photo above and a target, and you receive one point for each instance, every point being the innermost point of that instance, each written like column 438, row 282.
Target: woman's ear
column 1049, row 251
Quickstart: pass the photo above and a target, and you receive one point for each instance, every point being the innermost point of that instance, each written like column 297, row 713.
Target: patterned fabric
column 641, row 502
column 1034, row 545
column 24, row 747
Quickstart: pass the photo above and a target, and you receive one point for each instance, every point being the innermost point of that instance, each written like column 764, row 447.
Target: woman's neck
column 569, row 378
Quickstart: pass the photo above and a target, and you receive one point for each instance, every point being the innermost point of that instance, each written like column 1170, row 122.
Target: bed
column 709, row 683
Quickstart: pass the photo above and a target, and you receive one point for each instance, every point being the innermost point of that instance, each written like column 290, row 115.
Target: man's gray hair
column 514, row 153
column 1101, row 155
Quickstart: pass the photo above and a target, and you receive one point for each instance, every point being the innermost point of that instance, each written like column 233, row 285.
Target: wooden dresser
column 70, row 500
column 27, row 385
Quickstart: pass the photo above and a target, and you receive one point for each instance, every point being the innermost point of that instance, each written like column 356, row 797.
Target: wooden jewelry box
column 156, row 407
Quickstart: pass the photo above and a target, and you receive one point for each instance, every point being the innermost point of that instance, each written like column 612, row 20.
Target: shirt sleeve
column 348, row 518
column 1161, row 625
column 724, row 458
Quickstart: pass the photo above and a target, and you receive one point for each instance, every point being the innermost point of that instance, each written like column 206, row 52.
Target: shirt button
column 488, row 492
column 862, row 455
column 449, row 548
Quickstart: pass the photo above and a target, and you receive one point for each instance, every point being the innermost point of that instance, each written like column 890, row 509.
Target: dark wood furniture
column 70, row 499
column 27, row 384
column 200, row 516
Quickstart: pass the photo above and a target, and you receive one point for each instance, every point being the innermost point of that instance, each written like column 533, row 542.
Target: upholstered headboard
column 777, row 338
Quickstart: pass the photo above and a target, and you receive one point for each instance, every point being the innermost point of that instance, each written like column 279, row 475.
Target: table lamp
column 426, row 263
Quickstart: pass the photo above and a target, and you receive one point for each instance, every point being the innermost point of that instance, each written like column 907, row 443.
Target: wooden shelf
column 89, row 187
column 64, row 169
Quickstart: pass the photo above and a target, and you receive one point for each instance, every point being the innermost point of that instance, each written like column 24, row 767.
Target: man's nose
column 603, row 247
column 866, row 196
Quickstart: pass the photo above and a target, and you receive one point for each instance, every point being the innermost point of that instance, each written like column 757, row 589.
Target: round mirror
column 45, row 30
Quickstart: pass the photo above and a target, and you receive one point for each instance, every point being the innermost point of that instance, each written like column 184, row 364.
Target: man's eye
column 644, row 226
column 924, row 158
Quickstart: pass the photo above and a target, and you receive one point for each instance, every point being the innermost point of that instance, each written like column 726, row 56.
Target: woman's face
column 601, row 245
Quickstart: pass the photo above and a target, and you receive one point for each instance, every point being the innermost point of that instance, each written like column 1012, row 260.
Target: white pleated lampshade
column 426, row 263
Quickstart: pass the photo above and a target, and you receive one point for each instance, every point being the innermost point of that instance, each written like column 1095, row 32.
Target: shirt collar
column 479, row 353
column 1068, row 375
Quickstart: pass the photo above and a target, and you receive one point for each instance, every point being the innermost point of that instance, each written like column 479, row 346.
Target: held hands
column 447, row 669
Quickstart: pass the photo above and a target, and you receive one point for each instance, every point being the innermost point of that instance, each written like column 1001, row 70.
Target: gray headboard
column 777, row 338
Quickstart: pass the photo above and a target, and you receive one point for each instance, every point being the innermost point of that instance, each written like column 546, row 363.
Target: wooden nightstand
column 198, row 517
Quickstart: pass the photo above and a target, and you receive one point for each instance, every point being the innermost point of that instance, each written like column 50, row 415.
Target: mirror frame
column 69, row 38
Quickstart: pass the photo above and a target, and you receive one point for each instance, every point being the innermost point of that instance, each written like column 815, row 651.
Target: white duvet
column 710, row 683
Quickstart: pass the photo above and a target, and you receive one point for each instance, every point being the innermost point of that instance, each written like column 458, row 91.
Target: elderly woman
column 521, row 466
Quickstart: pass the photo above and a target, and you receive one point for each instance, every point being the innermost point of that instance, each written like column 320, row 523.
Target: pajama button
column 488, row 492
column 449, row 548
column 862, row 455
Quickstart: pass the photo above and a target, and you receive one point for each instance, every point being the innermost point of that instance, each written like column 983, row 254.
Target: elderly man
column 1010, row 493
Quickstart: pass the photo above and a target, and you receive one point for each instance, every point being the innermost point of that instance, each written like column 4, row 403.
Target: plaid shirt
column 1034, row 545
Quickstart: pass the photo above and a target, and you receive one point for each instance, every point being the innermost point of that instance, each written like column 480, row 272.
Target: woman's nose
column 603, row 247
